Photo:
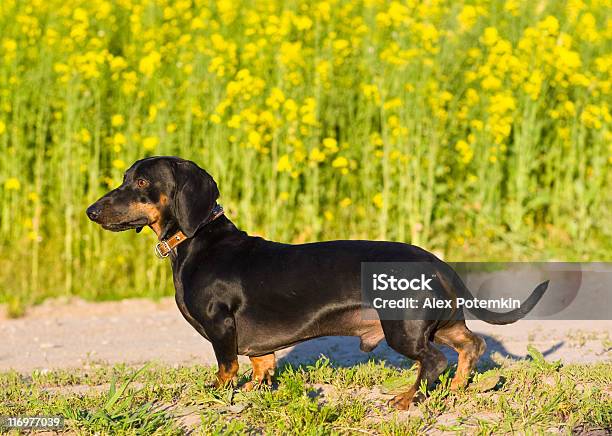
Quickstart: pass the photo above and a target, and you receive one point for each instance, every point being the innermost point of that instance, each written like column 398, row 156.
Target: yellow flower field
column 478, row 129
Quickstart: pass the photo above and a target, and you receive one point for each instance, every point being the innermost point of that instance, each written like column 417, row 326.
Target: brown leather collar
column 165, row 246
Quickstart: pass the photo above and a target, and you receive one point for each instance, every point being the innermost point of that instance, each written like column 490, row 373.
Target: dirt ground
column 75, row 333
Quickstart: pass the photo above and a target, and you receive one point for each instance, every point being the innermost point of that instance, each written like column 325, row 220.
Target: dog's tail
column 498, row 318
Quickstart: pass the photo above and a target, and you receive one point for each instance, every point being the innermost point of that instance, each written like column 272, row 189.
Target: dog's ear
column 195, row 196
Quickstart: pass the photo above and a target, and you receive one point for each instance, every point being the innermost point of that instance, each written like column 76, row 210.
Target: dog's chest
column 180, row 302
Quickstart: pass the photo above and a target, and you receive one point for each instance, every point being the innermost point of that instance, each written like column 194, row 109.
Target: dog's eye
column 141, row 183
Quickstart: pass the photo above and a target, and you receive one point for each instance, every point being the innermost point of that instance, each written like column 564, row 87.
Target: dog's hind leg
column 263, row 371
column 469, row 347
column 411, row 338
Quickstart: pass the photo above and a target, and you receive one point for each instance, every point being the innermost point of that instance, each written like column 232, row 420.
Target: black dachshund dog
column 249, row 296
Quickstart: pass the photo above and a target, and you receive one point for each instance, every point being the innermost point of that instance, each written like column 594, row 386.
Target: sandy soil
column 67, row 334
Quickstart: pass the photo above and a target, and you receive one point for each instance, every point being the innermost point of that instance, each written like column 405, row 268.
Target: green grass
column 477, row 129
column 321, row 398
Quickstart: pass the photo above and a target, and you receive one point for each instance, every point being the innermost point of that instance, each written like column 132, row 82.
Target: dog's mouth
column 121, row 227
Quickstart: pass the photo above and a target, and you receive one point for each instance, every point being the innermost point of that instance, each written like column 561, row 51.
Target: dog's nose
column 93, row 212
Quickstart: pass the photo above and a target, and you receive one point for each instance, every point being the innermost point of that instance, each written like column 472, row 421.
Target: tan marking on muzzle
column 152, row 212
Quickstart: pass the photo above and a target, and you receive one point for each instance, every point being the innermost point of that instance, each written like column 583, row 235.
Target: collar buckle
column 166, row 249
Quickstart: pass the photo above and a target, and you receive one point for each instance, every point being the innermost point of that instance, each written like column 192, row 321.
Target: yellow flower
column 2, row 127
column 591, row 116
column 12, row 184
column 533, row 85
column 392, row 104
column 152, row 113
column 563, row 132
column 85, row 135
column 491, row 83
column 299, row 154
column 376, row 139
column 129, row 82
column 117, row 63
column 119, row 139
column 149, row 63
column 309, row 118
column 283, row 196
column 474, row 53
column 254, row 138
column 570, row 108
column 490, row 37
column 33, row 197
column 501, row 103
column 80, row 14
column 467, row 17
column 345, row 202
column 302, row 22
column 465, row 151
column 316, row 155
column 513, row 6
column 119, row 164
column 283, row 164
column 150, row 142
column 340, row 162
column 340, row 44
column 371, row 92
column 331, row 144
column 477, row 125
column 291, row 53
column 234, row 122
column 378, row 200
column 9, row 45
column 550, row 25
column 290, row 108
column 471, row 96
column 117, row 120
column 329, row 216
column 171, row 127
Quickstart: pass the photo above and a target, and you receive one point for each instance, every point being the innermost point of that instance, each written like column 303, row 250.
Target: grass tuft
column 305, row 400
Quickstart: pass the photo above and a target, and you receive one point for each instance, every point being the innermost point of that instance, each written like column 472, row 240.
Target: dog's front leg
column 221, row 331
column 228, row 365
column 228, row 372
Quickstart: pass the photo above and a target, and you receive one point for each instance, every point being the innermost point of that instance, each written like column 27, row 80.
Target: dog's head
column 162, row 192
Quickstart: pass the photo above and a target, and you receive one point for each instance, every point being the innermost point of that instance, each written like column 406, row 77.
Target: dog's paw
column 458, row 384
column 223, row 384
column 406, row 400
column 402, row 401
column 256, row 384
column 249, row 386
